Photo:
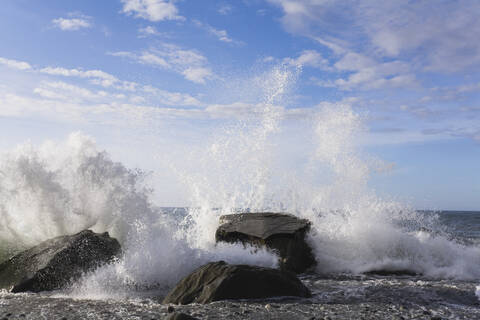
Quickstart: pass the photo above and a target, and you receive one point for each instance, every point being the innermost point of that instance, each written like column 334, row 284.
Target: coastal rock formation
column 180, row 316
column 220, row 281
column 283, row 233
column 54, row 263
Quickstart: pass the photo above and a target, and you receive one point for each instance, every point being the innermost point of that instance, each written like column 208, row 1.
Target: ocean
column 377, row 257
column 446, row 289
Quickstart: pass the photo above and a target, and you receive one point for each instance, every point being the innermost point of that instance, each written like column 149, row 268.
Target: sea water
column 59, row 188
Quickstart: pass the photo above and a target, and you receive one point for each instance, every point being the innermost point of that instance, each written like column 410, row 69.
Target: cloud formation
column 309, row 58
column 438, row 37
column 15, row 64
column 225, row 9
column 96, row 76
column 189, row 63
column 221, row 35
column 152, row 10
column 74, row 22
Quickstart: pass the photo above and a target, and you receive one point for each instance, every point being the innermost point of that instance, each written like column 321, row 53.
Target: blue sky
column 175, row 69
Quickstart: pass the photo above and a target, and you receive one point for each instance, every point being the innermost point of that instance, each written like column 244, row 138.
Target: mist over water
column 56, row 189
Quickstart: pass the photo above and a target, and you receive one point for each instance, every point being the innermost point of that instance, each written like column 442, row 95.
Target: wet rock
column 386, row 272
column 54, row 263
column 283, row 233
column 220, row 281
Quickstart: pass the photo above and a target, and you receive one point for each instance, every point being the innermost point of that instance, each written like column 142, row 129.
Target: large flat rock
column 283, row 233
column 55, row 263
column 263, row 224
column 220, row 281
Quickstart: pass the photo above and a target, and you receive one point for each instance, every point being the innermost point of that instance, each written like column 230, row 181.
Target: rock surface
column 54, row 263
column 220, row 281
column 283, row 233
column 387, row 272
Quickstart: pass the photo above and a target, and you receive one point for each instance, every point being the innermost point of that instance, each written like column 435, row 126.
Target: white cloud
column 59, row 90
column 225, row 9
column 197, row 75
column 431, row 36
column 221, row 35
column 96, row 76
column 15, row 64
column 171, row 98
column 366, row 73
column 152, row 10
column 150, row 58
column 76, row 21
column 62, row 91
column 357, row 71
column 233, row 110
column 309, row 58
column 189, row 63
column 150, row 31
column 103, row 95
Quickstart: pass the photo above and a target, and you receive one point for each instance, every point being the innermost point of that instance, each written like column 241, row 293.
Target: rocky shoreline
column 221, row 291
column 29, row 306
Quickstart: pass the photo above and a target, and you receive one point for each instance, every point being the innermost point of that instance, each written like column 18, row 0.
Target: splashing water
column 57, row 190
column 61, row 189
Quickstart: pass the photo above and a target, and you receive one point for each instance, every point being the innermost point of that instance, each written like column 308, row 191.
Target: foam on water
column 61, row 189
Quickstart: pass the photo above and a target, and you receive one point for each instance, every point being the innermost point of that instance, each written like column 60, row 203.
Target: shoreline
column 345, row 298
column 17, row 307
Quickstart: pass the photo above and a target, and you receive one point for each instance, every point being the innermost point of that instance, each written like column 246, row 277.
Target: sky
column 122, row 70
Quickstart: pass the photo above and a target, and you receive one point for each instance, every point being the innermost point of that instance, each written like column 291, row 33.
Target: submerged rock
column 220, row 281
column 54, row 263
column 283, row 233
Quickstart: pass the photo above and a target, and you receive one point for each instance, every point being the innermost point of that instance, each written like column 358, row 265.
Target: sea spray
column 356, row 231
column 233, row 171
column 60, row 189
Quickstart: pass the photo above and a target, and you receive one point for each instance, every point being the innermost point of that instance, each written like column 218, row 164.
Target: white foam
column 58, row 189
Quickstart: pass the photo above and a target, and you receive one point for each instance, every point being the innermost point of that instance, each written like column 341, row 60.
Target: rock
column 283, row 233
column 55, row 263
column 180, row 316
column 220, row 281
column 397, row 273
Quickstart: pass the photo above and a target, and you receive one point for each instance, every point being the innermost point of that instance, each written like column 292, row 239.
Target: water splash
column 61, row 189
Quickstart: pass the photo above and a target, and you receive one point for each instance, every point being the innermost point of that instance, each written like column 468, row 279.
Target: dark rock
column 180, row 316
column 170, row 309
column 386, row 272
column 283, row 233
column 220, row 281
column 54, row 263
